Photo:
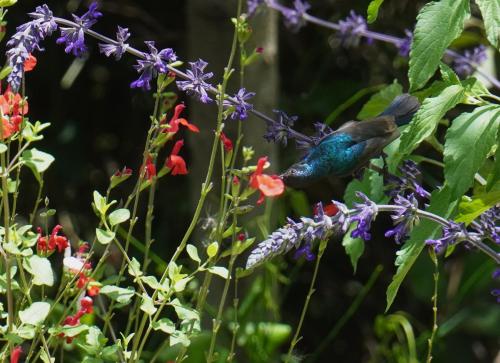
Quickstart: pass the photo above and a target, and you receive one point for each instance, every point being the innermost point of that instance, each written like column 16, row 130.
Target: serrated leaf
column 372, row 11
column 380, row 100
column 104, row 236
column 193, row 253
column 427, row 118
column 119, row 216
column 440, row 204
column 35, row 314
column 470, row 209
column 490, row 10
column 468, row 142
column 119, row 294
column 219, row 271
column 41, row 270
column 438, row 24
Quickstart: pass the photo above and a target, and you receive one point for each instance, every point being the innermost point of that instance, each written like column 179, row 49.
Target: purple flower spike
column 279, row 131
column 351, row 29
column 452, row 234
column 241, row 106
column 252, row 6
column 488, row 225
column 155, row 62
column 197, row 85
column 74, row 38
column 366, row 214
column 404, row 219
column 117, row 50
column 294, row 18
column 304, row 251
column 26, row 40
column 405, row 45
column 405, row 184
column 463, row 66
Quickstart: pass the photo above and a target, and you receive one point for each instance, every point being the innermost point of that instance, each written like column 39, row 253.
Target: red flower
column 93, row 288
column 30, row 63
column 82, row 280
column 175, row 121
column 16, row 354
column 83, row 248
column 330, row 209
column 54, row 241
column 13, row 107
column 236, row 180
column 226, row 141
column 87, row 305
column 150, row 168
column 175, row 162
column 124, row 172
column 269, row 185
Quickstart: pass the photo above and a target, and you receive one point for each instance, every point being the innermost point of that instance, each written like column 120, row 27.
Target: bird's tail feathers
column 403, row 108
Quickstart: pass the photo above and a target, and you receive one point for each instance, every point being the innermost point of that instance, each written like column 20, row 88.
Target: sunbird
column 352, row 145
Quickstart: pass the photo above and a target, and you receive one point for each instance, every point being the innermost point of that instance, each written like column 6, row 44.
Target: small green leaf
column 219, row 271
column 470, row 209
column 490, row 10
column 3, row 148
column 468, row 142
column 380, row 100
column 119, row 294
column 193, row 253
column 134, row 268
column 41, row 270
column 147, row 305
column 354, row 247
column 165, row 325
column 99, row 202
column 212, row 249
column 5, row 72
column 104, row 236
column 35, row 314
column 373, row 9
column 37, row 161
column 438, row 24
column 7, row 3
column 45, row 358
column 119, row 216
column 152, row 282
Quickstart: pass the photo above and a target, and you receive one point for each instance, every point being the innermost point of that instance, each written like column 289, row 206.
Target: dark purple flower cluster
column 488, row 225
column 240, row 104
column 496, row 292
column 453, row 233
column 467, row 63
column 294, row 18
column 366, row 213
column 117, row 50
column 279, row 130
column 351, row 29
column 26, row 40
column 196, row 84
column 153, row 63
column 74, row 37
column 404, row 219
column 404, row 46
column 407, row 183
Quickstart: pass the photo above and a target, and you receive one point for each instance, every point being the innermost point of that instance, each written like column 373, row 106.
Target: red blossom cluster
column 48, row 244
column 86, row 307
column 226, row 142
column 268, row 185
column 13, row 108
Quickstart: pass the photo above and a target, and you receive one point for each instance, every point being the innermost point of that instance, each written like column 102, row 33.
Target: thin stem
column 295, row 340
column 434, row 305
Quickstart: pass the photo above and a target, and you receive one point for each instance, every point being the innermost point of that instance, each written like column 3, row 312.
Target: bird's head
column 298, row 175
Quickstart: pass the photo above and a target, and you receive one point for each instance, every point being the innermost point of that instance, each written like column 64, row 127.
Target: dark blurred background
column 99, row 126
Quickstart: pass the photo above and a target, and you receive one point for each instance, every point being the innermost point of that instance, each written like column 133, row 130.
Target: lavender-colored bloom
column 154, row 62
column 488, row 225
column 117, row 50
column 496, row 293
column 404, row 219
column 279, row 130
column 26, row 40
column 74, row 38
column 452, row 234
column 294, row 18
column 197, row 85
column 405, row 45
column 279, row 242
column 352, row 28
column 466, row 64
column 322, row 130
column 305, row 251
column 241, row 106
column 252, row 6
column 405, row 184
column 366, row 213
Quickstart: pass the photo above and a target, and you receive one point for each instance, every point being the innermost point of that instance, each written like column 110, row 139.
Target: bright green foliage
column 373, row 9
column 490, row 9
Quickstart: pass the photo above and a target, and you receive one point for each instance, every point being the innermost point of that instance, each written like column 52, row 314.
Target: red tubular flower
column 30, row 63
column 149, row 168
column 226, row 141
column 16, row 353
column 41, row 244
column 87, row 305
column 93, row 288
column 82, row 280
column 124, row 172
column 175, row 162
column 13, row 107
column 61, row 242
column 269, row 185
column 176, row 120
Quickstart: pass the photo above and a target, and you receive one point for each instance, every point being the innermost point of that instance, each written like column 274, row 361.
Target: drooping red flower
column 15, row 354
column 149, row 168
column 269, row 185
column 226, row 142
column 30, row 63
column 54, row 241
column 82, row 280
column 176, row 163
column 87, row 305
column 175, row 121
column 124, row 172
column 13, row 107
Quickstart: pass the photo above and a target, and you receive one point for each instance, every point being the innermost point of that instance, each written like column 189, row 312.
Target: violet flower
column 197, row 85
column 26, row 40
column 366, row 213
column 154, row 62
column 241, row 106
column 466, row 64
column 453, row 233
column 279, row 131
column 488, row 225
column 404, row 219
column 74, row 38
column 404, row 46
column 294, row 18
column 252, row 6
column 117, row 50
column 407, row 183
column 305, row 251
column 352, row 28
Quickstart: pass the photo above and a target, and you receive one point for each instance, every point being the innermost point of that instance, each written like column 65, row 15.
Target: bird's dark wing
column 379, row 126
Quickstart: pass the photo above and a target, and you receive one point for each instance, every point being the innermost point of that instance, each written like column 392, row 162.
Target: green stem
column 434, row 304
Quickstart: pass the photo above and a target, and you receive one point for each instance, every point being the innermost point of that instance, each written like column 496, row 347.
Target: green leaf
column 119, row 216
column 469, row 209
column 219, row 271
column 372, row 11
column 152, row 282
column 490, row 10
column 438, row 24
column 147, row 305
column 134, row 268
column 7, row 3
column 165, row 325
column 41, row 270
column 3, row 148
column 45, row 358
column 104, row 236
column 119, row 294
column 37, row 161
column 448, row 75
column 427, row 118
column 193, row 253
column 354, row 247
column 100, row 202
column 468, row 142
column 212, row 249
column 440, row 204
column 35, row 314
column 380, row 100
